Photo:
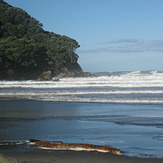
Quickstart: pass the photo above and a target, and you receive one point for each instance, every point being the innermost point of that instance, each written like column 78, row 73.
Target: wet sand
column 45, row 156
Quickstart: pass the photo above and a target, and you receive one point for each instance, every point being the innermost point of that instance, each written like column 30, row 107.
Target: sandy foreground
column 45, row 156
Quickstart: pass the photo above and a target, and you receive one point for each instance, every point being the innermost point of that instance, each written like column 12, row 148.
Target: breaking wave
column 127, row 87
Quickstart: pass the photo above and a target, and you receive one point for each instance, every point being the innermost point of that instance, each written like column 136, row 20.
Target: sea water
column 119, row 109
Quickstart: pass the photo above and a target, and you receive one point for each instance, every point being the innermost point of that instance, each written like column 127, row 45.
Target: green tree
column 27, row 51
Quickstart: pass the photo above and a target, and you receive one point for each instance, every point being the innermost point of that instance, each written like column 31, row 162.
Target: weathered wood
column 77, row 147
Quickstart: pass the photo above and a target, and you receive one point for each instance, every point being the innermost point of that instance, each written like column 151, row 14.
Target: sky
column 114, row 35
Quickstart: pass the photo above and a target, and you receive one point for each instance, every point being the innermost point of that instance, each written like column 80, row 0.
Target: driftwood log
column 76, row 147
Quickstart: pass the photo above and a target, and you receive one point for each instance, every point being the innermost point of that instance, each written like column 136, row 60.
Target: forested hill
column 29, row 52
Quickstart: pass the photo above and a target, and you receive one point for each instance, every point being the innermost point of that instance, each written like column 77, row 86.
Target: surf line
column 58, row 145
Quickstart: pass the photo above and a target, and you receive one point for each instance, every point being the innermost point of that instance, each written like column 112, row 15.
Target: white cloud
column 127, row 46
column 125, row 40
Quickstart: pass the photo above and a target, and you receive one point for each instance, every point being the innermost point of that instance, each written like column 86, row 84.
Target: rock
column 74, row 73
column 46, row 75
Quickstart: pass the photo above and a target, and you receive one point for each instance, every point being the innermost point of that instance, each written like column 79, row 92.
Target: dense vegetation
column 29, row 52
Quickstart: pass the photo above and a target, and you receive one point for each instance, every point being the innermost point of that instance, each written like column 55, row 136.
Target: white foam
column 80, row 93
column 135, row 81
column 82, row 149
column 150, row 101
column 95, row 83
column 6, row 143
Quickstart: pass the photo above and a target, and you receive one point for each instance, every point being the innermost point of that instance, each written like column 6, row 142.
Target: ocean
column 119, row 109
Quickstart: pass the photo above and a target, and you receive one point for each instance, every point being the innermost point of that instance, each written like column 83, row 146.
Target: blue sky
column 114, row 35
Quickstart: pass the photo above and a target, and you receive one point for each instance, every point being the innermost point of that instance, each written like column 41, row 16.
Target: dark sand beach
column 46, row 156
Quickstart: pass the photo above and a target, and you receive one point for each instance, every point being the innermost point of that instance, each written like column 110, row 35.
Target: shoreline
column 139, row 152
column 49, row 156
